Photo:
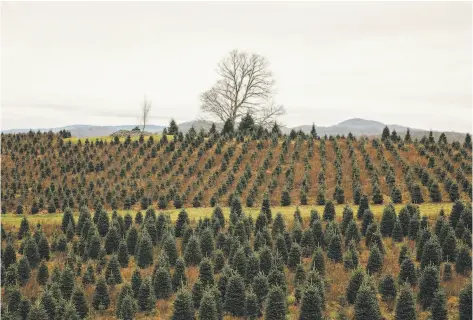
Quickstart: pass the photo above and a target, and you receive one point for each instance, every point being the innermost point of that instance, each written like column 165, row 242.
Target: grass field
column 156, row 137
column 428, row 209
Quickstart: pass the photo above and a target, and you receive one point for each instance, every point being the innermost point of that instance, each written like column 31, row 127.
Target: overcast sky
column 407, row 63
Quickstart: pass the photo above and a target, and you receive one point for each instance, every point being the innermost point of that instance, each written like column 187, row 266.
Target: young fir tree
column 387, row 288
column 352, row 233
column 179, row 276
column 127, row 308
column 294, row 256
column 334, row 252
column 43, row 274
column 406, row 305
column 407, row 273
column 24, row 271
column 464, row 307
column 329, row 211
column 208, row 307
column 375, row 260
column 366, row 303
column 123, row 257
column 368, row 218
column 285, row 198
column 388, row 220
column 311, row 304
column 131, row 240
column 318, row 261
column 431, row 253
column 183, row 306
column 146, row 298
column 193, row 254
column 206, row 272
column 235, row 290
column 276, row 307
column 261, row 287
column 162, row 283
column 101, row 299
column 356, row 279
column 79, row 302
column 112, row 273
column 30, row 251
column 463, row 261
column 144, row 252
column 37, row 312
column 439, row 306
column 429, row 283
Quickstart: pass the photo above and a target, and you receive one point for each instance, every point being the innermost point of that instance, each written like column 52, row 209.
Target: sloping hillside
column 42, row 172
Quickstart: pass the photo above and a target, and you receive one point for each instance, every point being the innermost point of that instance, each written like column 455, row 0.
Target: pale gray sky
column 408, row 63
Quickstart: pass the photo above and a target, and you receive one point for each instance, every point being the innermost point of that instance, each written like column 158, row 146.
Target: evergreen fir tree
column 334, row 252
column 408, row 274
column 431, row 253
column 329, row 211
column 388, row 220
column 197, row 292
column 9, row 255
column 112, row 241
column 162, row 283
column 146, row 297
column 464, row 307
column 144, row 252
column 132, row 240
column 294, row 256
column 193, row 254
column 234, row 304
column 439, row 306
column 368, row 218
column 101, row 299
column 112, row 273
column 449, row 247
column 352, row 233
column 30, row 251
column 366, row 304
column 318, row 261
column 387, row 288
column 43, row 274
column 375, row 260
column 406, row 305
column 364, row 205
column 183, row 306
column 179, row 276
column 79, row 302
column 127, row 308
column 285, row 198
column 397, row 233
column 429, row 283
column 123, row 254
column 37, row 312
column 311, row 304
column 463, row 261
column 207, row 242
column 24, row 271
column 276, row 304
column 24, row 228
column 208, row 307
column 182, row 220
column 136, row 282
column 206, row 272
column 356, row 279
column 89, row 276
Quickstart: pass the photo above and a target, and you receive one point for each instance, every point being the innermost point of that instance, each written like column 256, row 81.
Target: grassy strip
column 428, row 209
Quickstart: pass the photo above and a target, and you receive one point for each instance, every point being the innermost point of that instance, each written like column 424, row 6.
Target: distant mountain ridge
column 357, row 126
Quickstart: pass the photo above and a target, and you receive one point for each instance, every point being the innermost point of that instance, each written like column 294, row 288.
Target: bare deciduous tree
column 144, row 116
column 246, row 86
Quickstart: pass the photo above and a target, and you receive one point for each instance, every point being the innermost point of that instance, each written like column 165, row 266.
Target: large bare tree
column 144, row 115
column 245, row 86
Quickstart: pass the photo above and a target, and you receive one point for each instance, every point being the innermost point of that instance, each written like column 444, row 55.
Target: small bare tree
column 245, row 86
column 144, row 116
